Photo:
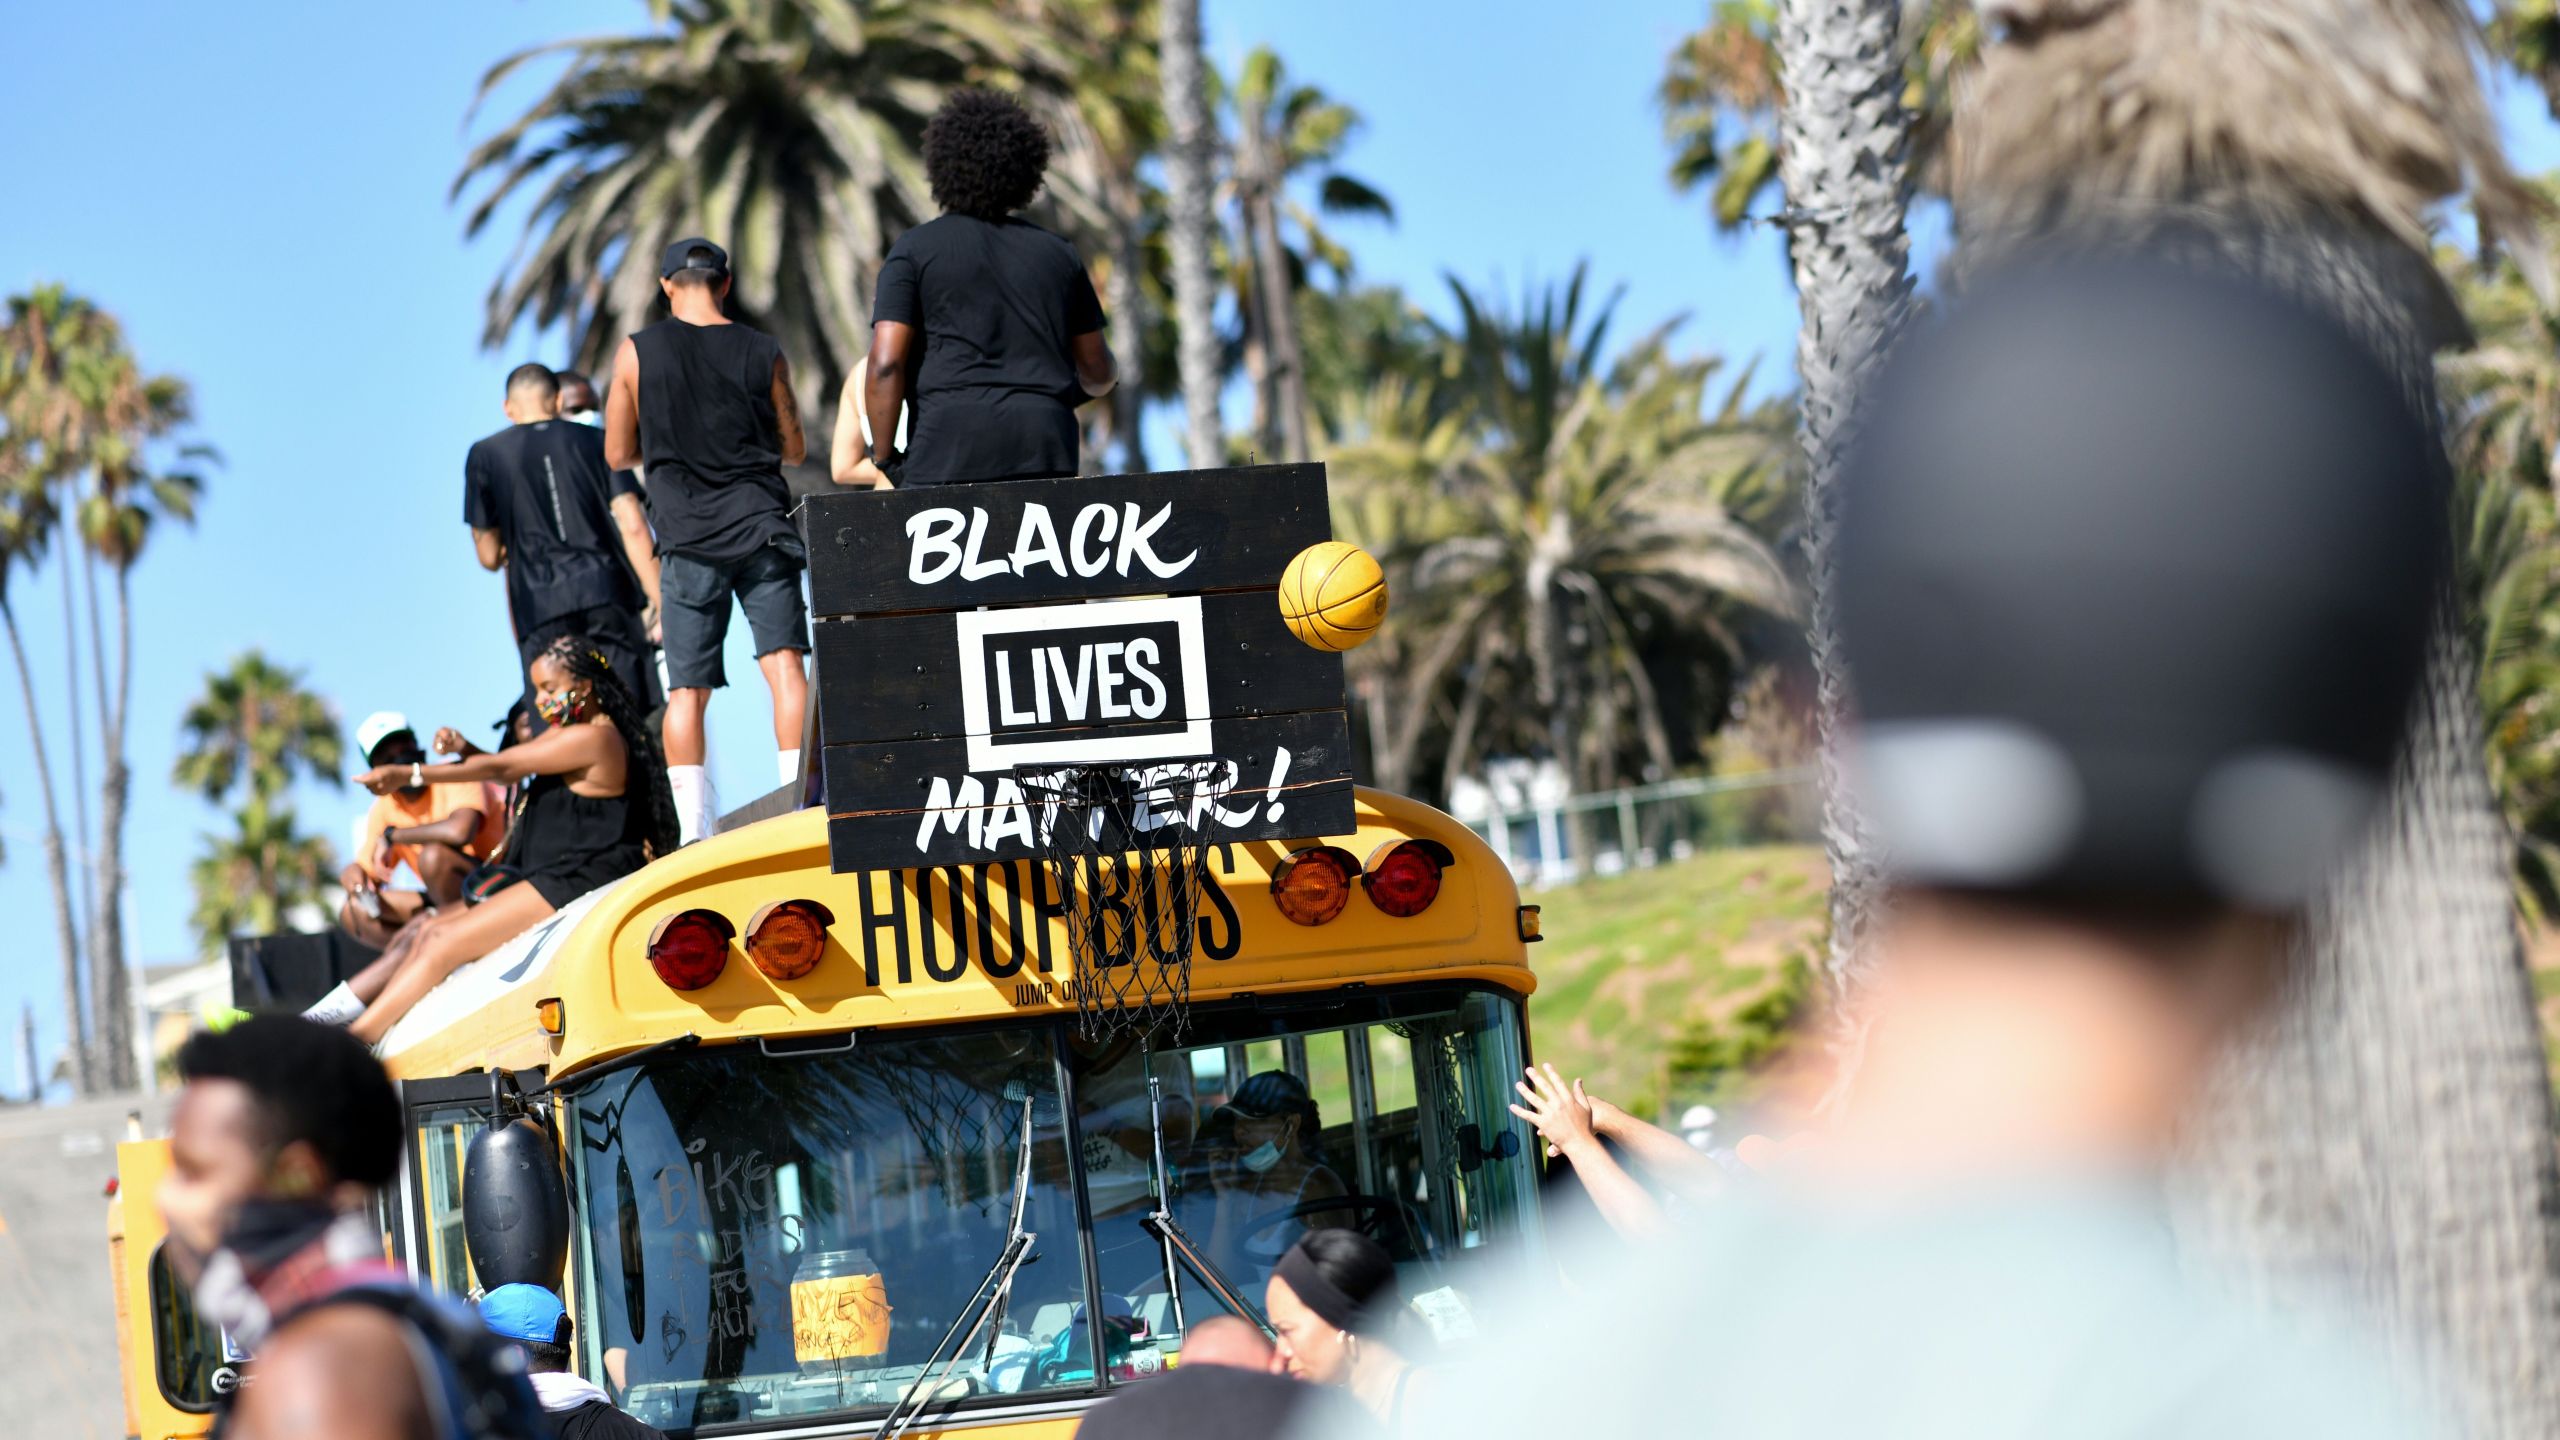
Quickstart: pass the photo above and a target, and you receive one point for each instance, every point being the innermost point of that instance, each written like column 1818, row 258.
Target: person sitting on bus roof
column 280, row 1141
column 596, row 810
column 540, row 1326
column 439, row 831
column 1267, row 1174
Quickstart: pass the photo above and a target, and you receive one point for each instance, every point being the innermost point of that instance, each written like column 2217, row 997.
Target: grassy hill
column 1669, row 985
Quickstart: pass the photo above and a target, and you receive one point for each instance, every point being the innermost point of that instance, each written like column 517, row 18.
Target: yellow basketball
column 1333, row 595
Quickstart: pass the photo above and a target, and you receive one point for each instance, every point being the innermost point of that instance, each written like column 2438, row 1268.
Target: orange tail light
column 786, row 937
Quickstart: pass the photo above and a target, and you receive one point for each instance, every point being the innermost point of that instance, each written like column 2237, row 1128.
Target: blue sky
column 260, row 192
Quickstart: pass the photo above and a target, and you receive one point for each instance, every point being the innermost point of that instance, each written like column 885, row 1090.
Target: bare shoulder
column 345, row 1372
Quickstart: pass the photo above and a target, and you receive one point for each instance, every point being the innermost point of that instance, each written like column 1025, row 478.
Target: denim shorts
column 693, row 611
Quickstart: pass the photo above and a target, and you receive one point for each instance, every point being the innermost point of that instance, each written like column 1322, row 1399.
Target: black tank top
column 709, row 441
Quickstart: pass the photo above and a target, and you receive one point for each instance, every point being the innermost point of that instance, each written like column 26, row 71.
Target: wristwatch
column 417, row 774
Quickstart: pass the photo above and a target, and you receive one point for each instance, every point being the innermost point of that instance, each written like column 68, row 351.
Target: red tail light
column 1406, row 879
column 690, row 948
column 786, row 937
column 1313, row 885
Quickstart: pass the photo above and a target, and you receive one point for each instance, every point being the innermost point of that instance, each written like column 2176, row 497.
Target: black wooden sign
column 976, row 640
column 890, row 677
column 947, row 547
column 1274, row 777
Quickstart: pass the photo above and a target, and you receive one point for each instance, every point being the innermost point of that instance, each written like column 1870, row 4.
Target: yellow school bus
column 817, row 1150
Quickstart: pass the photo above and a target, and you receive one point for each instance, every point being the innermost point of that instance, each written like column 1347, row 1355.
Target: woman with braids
column 597, row 808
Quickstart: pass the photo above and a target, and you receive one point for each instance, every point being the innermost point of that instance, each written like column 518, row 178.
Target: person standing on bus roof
column 539, row 1325
column 986, row 322
column 706, row 404
column 578, row 400
column 277, row 1144
column 567, row 529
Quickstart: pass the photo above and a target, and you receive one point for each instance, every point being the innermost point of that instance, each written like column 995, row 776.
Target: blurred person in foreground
column 1193, row 1402
column 539, row 1325
column 2134, row 573
column 284, row 1131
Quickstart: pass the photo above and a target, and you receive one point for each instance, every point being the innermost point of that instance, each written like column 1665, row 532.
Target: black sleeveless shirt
column 709, row 441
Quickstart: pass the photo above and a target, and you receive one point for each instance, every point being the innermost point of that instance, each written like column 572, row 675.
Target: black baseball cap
column 678, row 258
column 2136, row 567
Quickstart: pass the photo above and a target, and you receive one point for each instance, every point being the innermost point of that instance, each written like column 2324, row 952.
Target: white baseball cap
column 379, row 726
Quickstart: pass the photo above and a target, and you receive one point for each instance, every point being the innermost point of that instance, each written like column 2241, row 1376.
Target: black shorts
column 693, row 611
column 614, row 631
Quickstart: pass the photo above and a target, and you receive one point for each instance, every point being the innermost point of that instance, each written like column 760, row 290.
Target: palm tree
column 27, row 522
column 249, row 881
column 1568, row 527
column 1283, row 131
column 1721, row 92
column 1843, row 153
column 125, row 499
column 1108, row 122
column 786, row 129
column 92, row 422
column 2309, row 142
column 1190, row 223
column 255, row 727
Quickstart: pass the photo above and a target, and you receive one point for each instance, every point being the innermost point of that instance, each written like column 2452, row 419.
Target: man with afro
column 984, row 323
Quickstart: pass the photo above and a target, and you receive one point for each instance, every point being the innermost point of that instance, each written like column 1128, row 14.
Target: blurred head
column 577, row 394
column 1227, row 1340
column 533, row 393
column 1331, row 1295
column 1270, row 1116
column 984, row 155
column 696, row 266
column 276, row 1108
column 2136, row 568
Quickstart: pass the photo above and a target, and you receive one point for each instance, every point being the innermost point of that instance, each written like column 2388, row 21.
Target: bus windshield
column 768, row 1236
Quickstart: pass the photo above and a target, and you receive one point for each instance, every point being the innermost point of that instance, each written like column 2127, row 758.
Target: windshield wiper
column 988, row 1300
column 1179, row 1246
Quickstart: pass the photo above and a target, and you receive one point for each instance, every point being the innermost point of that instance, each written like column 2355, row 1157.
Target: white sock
column 338, row 1007
column 697, row 809
column 788, row 762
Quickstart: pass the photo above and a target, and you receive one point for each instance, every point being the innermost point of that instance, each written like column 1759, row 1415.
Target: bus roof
column 950, row 945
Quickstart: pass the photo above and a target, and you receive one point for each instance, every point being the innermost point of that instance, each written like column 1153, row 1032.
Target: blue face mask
column 1261, row 1157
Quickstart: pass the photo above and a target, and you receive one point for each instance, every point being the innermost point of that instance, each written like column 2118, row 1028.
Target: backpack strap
column 475, row 1382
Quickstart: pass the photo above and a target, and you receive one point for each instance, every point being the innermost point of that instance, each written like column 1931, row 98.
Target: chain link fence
column 1609, row 832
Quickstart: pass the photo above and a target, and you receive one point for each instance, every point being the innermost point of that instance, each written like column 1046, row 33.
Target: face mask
column 1261, row 1157
column 562, row 708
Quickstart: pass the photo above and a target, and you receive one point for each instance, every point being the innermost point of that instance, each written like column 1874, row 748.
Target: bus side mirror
column 515, row 1206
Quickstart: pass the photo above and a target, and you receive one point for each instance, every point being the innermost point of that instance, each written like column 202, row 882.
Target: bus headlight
column 690, row 948
column 1313, row 885
column 1405, row 878
column 786, row 937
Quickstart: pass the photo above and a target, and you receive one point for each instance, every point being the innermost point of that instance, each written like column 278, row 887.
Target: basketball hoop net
column 1129, row 871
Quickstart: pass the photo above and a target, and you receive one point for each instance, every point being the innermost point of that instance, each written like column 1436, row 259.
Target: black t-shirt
column 995, row 304
column 546, row 490
column 710, row 441
column 597, row 1420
